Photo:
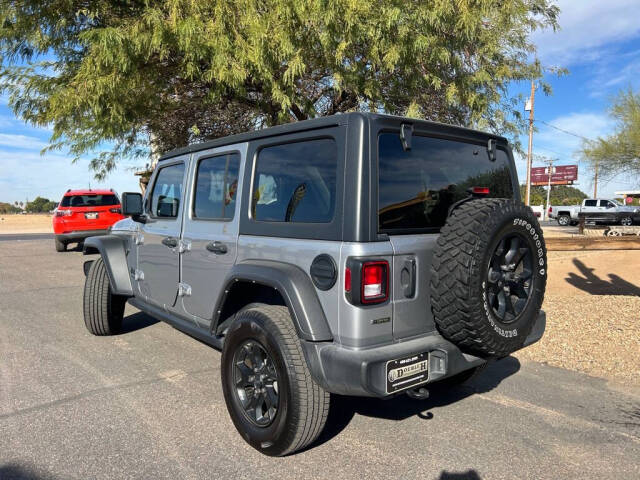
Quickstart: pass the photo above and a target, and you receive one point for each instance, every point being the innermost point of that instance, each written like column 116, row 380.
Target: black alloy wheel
column 256, row 382
column 509, row 277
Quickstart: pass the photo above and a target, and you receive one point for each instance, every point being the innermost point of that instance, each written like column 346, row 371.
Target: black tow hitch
column 418, row 393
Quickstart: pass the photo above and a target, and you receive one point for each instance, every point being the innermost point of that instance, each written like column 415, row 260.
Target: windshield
column 616, row 203
column 89, row 200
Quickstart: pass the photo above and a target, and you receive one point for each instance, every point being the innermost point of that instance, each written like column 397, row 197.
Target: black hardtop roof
column 328, row 121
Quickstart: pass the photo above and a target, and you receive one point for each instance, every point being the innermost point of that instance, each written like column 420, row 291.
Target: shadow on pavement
column 591, row 283
column 468, row 475
column 400, row 407
column 136, row 321
column 14, row 471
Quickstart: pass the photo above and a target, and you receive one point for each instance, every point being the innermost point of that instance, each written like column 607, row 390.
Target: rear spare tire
column 488, row 276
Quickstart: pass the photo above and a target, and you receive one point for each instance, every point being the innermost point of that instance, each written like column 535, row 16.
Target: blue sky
column 599, row 42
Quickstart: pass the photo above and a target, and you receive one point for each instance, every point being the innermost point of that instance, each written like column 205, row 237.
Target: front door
column 211, row 229
column 158, row 251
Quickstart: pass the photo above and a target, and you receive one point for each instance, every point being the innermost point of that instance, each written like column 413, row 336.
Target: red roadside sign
column 560, row 175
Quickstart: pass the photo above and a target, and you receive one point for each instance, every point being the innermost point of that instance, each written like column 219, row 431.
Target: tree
column 40, row 205
column 8, row 208
column 560, row 195
column 618, row 153
column 155, row 75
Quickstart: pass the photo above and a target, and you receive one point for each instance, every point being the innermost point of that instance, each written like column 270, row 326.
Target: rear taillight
column 366, row 282
column 64, row 213
column 375, row 277
column 116, row 210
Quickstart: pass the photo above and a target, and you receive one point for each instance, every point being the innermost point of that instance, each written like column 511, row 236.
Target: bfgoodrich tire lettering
column 302, row 406
column 464, row 274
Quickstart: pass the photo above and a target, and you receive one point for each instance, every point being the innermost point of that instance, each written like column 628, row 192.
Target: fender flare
column 113, row 250
column 295, row 287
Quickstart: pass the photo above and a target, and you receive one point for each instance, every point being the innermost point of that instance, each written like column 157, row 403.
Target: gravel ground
column 593, row 315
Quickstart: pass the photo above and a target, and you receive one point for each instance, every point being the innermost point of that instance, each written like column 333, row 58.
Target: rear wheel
column 103, row 311
column 564, row 220
column 60, row 246
column 272, row 399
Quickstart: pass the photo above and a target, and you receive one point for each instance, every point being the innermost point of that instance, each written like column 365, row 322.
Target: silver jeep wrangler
column 357, row 254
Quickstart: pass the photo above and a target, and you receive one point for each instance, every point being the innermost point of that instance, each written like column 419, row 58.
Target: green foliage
column 8, row 208
column 149, row 74
column 560, row 195
column 40, row 205
column 620, row 152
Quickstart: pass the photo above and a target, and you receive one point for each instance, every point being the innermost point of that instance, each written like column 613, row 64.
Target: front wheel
column 626, row 221
column 103, row 311
column 270, row 395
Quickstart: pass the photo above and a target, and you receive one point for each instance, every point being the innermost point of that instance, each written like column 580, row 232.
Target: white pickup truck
column 598, row 210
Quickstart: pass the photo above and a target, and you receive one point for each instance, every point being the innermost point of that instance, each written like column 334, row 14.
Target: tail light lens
column 367, row 281
column 64, row 213
column 372, row 280
column 116, row 210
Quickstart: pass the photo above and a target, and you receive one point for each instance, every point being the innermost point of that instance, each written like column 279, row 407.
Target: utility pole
column 549, row 162
column 529, row 106
column 595, row 182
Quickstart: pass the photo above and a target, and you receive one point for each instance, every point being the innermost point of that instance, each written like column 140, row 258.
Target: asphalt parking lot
column 148, row 404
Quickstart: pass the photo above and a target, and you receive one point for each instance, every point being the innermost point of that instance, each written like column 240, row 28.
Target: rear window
column 296, row 182
column 89, row 200
column 417, row 187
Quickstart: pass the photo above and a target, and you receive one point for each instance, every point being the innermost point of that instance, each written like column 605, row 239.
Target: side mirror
column 132, row 205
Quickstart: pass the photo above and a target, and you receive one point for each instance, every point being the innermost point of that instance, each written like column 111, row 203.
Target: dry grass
column 36, row 223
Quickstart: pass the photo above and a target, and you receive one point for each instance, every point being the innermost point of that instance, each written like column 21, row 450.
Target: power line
column 565, row 131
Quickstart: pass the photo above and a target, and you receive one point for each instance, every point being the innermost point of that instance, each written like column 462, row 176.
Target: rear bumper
column 347, row 371
column 80, row 235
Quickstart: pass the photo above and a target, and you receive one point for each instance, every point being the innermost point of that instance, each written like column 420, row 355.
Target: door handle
column 216, row 247
column 170, row 242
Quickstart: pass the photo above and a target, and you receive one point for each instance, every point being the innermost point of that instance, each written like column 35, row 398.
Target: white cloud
column 28, row 174
column 587, row 28
column 589, row 125
column 21, row 141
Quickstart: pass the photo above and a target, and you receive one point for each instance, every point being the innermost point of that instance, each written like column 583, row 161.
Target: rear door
column 416, row 188
column 211, row 228
column 158, row 252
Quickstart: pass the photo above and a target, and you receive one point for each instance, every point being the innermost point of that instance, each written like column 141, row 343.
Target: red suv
column 84, row 213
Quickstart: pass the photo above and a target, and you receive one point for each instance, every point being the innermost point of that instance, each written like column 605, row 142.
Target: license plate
column 91, row 215
column 407, row 372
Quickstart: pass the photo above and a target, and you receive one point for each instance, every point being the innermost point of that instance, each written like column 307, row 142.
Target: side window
column 216, row 187
column 590, row 203
column 167, row 191
column 296, row 182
